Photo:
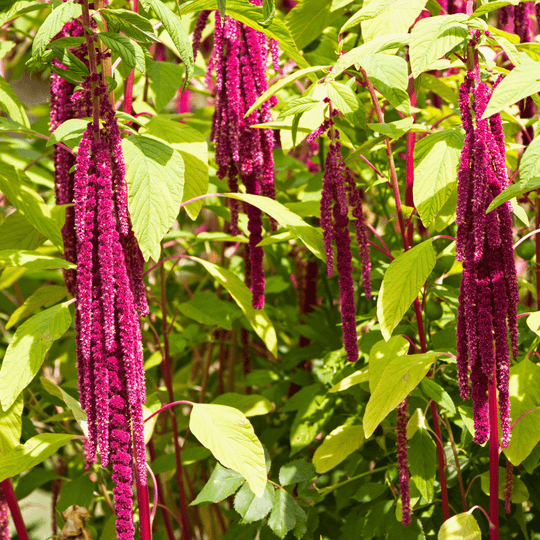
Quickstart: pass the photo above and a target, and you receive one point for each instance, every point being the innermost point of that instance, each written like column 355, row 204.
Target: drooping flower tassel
column 243, row 154
column 403, row 462
column 62, row 109
column 338, row 193
column 110, row 298
column 4, row 517
column 508, row 487
column 487, row 313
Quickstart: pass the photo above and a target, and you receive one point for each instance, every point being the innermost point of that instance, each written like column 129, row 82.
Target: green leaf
column 393, row 130
column 17, row 187
column 33, row 451
column 28, row 348
column 72, row 404
column 433, row 37
column 533, row 322
column 491, row 6
column 227, row 433
column 521, row 82
column 282, row 83
column 390, row 76
column 460, row 527
column 28, row 482
column 285, row 514
column 310, row 236
column 342, row 97
column 69, row 132
column 45, row 296
column 399, row 378
column 436, row 159
column 401, row 284
column 75, row 70
column 357, row 55
column 11, row 426
column 155, row 179
column 53, row 24
column 206, row 308
column 177, row 32
column 11, row 104
column 165, row 78
column 524, row 390
column 248, row 14
column 16, row 232
column 352, row 380
column 380, row 356
column 438, row 394
column 393, row 16
column 423, row 462
column 127, row 49
column 221, row 484
column 309, row 18
column 253, row 508
column 296, row 471
column 31, row 259
column 130, row 23
column 337, row 446
column 7, row 125
column 520, row 493
column 17, row 9
column 298, row 105
column 79, row 491
column 248, row 404
column 269, row 10
column 257, row 318
column 193, row 147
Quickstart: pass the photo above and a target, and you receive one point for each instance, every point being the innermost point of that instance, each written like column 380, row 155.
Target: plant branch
column 14, row 509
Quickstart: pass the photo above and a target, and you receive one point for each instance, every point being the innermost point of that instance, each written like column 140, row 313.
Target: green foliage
column 460, row 527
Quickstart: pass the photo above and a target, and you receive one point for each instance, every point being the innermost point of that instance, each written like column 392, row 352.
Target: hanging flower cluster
column 62, row 109
column 338, row 193
column 403, row 462
column 4, row 517
column 243, row 154
column 488, row 297
column 110, row 298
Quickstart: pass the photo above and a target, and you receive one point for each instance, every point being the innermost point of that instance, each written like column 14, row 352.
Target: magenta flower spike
column 109, row 300
column 487, row 314
column 403, row 462
column 4, row 517
column 243, row 154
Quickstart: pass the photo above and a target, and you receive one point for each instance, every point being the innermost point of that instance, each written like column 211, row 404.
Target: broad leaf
column 72, row 404
column 337, row 446
column 207, row 308
column 45, row 296
column 227, row 433
column 520, row 493
column 69, row 132
column 399, row 378
column 342, row 97
column 31, row 259
column 242, row 296
column 380, row 356
column 33, row 451
column 423, row 462
column 436, row 159
column 130, row 23
column 285, row 514
column 127, row 49
column 524, row 390
column 521, row 82
column 177, row 32
column 53, row 24
column 193, row 147
column 296, row 471
column 79, row 491
column 221, row 484
column 11, row 426
column 438, row 394
column 17, row 9
column 401, row 284
column 352, row 380
column 15, row 127
column 11, row 104
column 248, row 404
column 16, row 232
column 28, row 348
column 164, row 80
column 460, row 527
column 251, row 507
column 155, row 179
column 433, row 37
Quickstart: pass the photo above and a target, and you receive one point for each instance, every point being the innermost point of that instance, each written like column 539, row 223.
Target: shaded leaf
column 337, row 446
column 296, row 471
column 253, row 508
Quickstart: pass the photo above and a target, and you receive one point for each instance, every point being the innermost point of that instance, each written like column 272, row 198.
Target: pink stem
column 156, row 494
column 13, row 504
column 493, row 461
column 128, row 92
column 169, row 405
column 144, row 511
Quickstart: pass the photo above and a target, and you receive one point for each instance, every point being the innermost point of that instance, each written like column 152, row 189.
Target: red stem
column 128, row 92
column 537, row 242
column 144, row 511
column 13, row 504
column 167, row 376
column 493, row 460
column 409, row 165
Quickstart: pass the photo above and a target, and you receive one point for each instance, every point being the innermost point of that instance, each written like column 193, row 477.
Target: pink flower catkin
column 243, row 153
column 62, row 109
column 487, row 313
column 110, row 297
column 4, row 517
column 403, row 462
column 338, row 193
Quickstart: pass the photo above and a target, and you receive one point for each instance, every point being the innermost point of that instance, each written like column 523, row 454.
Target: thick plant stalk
column 14, row 509
column 493, row 461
